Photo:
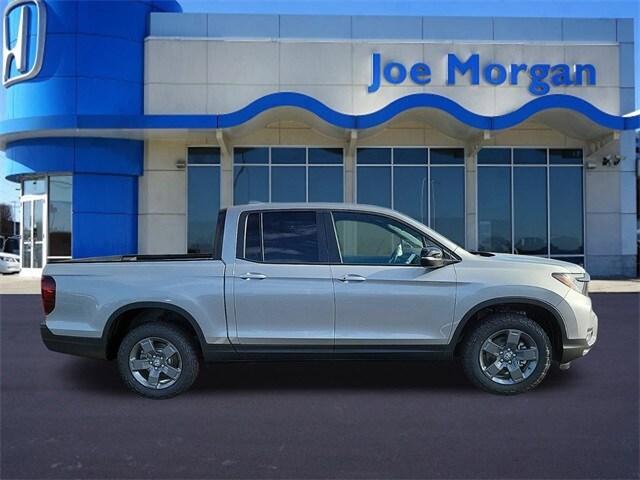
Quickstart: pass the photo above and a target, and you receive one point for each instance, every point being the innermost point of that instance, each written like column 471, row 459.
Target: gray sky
column 499, row 8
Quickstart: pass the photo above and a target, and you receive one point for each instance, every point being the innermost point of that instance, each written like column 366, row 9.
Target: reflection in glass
column 60, row 208
column 34, row 186
column 243, row 155
column 202, row 209
column 565, row 156
column 447, row 156
column 376, row 156
column 253, row 238
column 447, row 202
column 565, row 196
column 410, row 156
column 204, row 156
column 326, row 184
column 290, row 237
column 410, row 192
column 326, row 155
column 530, row 210
column 495, row 156
column 374, row 186
column 288, row 184
column 288, row 155
column 530, row 156
column 250, row 184
column 494, row 209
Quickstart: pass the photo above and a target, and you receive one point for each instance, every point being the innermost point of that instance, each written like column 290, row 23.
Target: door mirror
column 432, row 257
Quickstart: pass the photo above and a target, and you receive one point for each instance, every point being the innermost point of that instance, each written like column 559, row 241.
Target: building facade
column 511, row 135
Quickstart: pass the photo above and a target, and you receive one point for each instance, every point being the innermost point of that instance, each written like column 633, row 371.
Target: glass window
column 204, row 156
column 288, row 184
column 287, row 155
column 410, row 156
column 530, row 156
column 374, row 156
column 326, row 184
column 202, row 209
column 494, row 209
column 253, row 238
column 325, row 156
column 432, row 194
column 60, row 211
column 203, row 198
column 376, row 240
column 447, row 202
column 565, row 156
column 530, row 211
column 35, row 186
column 374, row 186
column 293, row 174
column 494, row 156
column 447, row 156
column 290, row 237
column 565, row 200
column 250, row 155
column 250, row 185
column 410, row 192
column 547, row 203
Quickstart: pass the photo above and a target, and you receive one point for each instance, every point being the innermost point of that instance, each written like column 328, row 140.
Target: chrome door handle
column 253, row 276
column 352, row 277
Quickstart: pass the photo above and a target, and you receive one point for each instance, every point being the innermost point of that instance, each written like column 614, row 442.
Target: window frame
column 334, row 246
column 323, row 255
column 547, row 166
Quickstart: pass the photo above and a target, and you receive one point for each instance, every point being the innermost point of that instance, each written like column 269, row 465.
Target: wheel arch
column 130, row 315
column 543, row 313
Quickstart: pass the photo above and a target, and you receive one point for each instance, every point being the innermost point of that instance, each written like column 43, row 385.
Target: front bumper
column 573, row 349
column 81, row 346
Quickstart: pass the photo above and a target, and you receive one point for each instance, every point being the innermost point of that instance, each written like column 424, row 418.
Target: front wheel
column 158, row 360
column 507, row 354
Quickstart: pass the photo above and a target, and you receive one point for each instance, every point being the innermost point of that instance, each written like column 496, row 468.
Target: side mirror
column 432, row 257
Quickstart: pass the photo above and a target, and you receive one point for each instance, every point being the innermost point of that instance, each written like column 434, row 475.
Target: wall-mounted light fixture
column 181, row 164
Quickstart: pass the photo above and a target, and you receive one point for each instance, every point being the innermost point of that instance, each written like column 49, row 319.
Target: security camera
column 617, row 159
column 606, row 160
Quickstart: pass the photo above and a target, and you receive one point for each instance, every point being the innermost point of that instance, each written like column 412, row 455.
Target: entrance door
column 33, row 248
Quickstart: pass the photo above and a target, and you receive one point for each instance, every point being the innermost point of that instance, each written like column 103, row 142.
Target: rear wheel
column 507, row 354
column 158, row 360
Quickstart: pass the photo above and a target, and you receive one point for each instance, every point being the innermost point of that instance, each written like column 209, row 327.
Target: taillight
column 48, row 289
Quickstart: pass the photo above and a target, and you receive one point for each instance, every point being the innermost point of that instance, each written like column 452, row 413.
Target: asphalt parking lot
column 66, row 417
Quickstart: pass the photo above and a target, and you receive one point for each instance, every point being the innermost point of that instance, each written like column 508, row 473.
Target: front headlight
column 575, row 281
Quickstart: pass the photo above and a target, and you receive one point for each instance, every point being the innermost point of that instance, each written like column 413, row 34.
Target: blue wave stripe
column 327, row 114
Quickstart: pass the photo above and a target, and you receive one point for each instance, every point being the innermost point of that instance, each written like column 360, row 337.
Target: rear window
column 282, row 237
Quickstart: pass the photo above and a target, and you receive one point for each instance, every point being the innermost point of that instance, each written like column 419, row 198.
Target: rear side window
column 282, row 237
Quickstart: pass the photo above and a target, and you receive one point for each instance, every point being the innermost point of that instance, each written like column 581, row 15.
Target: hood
column 529, row 260
column 9, row 255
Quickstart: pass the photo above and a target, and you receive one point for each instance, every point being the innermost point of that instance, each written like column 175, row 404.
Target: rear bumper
column 80, row 346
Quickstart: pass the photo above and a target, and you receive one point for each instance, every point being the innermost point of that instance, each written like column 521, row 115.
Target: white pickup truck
column 320, row 281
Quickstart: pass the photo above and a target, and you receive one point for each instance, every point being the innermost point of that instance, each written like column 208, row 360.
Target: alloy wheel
column 509, row 356
column 155, row 363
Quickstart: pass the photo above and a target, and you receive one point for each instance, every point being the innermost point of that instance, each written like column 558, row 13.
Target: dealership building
column 130, row 124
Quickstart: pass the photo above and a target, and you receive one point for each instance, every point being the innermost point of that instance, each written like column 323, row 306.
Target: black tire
column 180, row 340
column 497, row 324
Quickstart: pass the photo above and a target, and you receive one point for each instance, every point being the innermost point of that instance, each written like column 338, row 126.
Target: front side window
column 282, row 237
column 369, row 239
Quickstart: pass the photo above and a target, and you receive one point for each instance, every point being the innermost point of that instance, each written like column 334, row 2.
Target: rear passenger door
column 282, row 283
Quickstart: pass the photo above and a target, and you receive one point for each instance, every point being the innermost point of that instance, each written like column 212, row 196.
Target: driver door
column 383, row 296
